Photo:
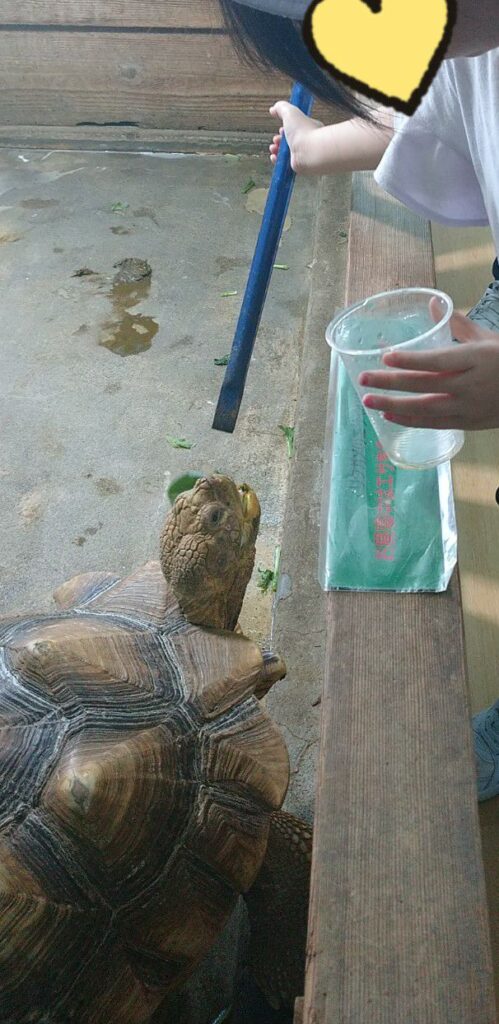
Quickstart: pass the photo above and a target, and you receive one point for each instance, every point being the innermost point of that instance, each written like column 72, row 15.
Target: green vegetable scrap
column 179, row 442
column 266, row 579
column 281, row 266
column 120, row 207
column 277, row 565
column 223, row 361
column 269, row 578
column 226, row 295
column 182, row 483
column 249, row 186
column 289, row 434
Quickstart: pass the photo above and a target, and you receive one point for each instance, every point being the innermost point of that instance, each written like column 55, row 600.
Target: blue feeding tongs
column 274, row 216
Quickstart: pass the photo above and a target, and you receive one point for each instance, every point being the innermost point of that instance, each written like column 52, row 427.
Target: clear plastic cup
column 399, row 319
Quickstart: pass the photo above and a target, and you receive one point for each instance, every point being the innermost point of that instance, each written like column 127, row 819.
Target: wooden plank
column 463, row 258
column 178, row 81
column 298, row 1017
column 476, row 479
column 398, row 918
column 133, row 140
column 489, row 824
column 143, row 13
column 462, row 262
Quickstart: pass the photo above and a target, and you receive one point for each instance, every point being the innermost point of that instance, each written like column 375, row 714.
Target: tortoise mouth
column 249, row 502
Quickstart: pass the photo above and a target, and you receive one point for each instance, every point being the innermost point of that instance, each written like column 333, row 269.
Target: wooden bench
column 398, row 929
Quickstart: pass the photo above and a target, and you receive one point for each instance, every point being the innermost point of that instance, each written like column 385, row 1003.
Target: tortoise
column 142, row 781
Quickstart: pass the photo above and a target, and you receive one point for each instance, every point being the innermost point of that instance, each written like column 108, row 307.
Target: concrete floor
column 84, row 460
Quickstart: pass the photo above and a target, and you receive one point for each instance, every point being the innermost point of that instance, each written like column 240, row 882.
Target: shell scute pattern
column 138, row 776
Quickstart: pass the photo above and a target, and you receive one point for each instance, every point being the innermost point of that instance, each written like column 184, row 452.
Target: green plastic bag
column 383, row 528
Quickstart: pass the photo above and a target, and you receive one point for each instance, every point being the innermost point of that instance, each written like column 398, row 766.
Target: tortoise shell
column 138, row 776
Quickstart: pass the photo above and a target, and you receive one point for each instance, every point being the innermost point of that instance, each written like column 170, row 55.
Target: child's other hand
column 295, row 126
column 459, row 386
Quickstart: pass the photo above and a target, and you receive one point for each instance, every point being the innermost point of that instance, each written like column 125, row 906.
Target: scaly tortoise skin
column 139, row 776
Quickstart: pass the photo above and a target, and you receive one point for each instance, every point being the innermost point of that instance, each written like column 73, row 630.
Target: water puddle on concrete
column 256, row 201
column 38, row 204
column 129, row 334
column 147, row 211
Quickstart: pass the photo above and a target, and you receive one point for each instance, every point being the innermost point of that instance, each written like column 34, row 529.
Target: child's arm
column 328, row 149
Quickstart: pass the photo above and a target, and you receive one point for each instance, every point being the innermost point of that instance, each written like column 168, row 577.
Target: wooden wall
column 158, row 64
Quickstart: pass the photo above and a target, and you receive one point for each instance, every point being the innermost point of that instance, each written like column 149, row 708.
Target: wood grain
column 143, row 13
column 298, row 1017
column 178, row 81
column 463, row 258
column 133, row 140
column 398, row 927
column 462, row 262
column 476, row 479
column 489, row 825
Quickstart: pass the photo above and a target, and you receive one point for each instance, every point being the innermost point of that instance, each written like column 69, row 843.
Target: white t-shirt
column 443, row 161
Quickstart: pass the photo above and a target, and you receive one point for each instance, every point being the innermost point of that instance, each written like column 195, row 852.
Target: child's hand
column 295, row 126
column 459, row 387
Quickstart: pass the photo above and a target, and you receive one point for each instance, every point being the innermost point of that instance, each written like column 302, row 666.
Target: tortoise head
column 208, row 550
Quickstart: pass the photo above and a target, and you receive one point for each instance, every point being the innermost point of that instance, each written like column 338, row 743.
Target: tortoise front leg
column 278, row 911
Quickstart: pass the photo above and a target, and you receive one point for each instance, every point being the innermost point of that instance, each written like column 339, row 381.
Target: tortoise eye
column 216, row 517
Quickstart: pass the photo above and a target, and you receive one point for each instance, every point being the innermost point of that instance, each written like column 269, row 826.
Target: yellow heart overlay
column 388, row 49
